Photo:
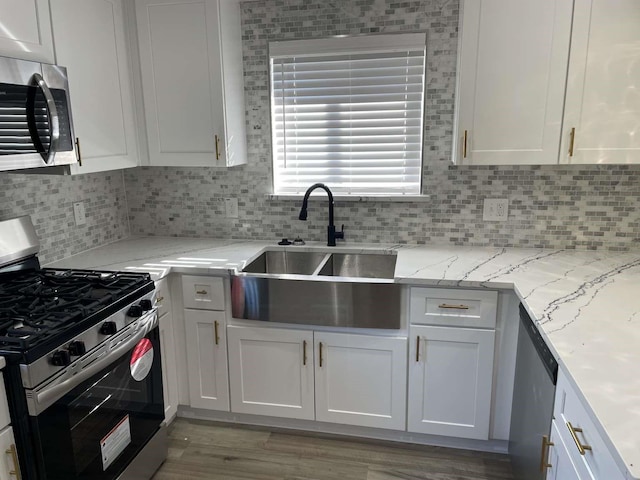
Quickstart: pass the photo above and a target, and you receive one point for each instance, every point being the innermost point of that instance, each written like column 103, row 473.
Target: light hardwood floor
column 205, row 450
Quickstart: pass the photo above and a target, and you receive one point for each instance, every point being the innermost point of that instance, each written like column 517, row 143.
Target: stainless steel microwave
column 36, row 126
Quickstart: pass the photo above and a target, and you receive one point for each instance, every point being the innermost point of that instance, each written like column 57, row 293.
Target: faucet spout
column 331, row 229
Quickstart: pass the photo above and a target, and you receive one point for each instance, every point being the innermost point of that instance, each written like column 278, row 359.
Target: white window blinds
column 348, row 112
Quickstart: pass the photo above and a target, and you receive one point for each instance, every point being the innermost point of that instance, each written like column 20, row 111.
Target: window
column 348, row 112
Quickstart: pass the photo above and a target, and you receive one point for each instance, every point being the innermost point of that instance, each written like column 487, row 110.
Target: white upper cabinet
column 193, row 87
column 603, row 94
column 25, row 30
column 512, row 78
column 90, row 41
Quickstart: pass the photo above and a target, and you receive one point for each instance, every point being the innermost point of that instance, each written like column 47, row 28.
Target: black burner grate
column 38, row 306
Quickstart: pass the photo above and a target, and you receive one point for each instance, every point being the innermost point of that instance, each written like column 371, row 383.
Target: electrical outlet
column 231, row 207
column 79, row 214
column 495, row 210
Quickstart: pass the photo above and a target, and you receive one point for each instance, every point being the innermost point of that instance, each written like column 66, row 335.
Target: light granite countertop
column 586, row 304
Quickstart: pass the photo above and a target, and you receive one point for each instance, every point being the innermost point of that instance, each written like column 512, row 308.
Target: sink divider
column 324, row 261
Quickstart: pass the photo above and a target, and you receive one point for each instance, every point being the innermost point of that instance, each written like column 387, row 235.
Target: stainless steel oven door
column 92, row 424
column 36, row 127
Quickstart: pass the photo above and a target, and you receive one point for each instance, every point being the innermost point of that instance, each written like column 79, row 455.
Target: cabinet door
column 207, row 359
column 169, row 372
column 271, row 372
column 361, row 380
column 560, row 466
column 90, row 41
column 603, row 104
column 513, row 64
column 26, row 30
column 450, row 380
column 8, row 457
column 182, row 85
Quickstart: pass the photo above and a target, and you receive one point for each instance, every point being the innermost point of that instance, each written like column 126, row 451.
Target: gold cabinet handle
column 304, row 353
column 217, row 147
column 464, row 144
column 16, row 466
column 201, row 292
column 216, row 332
column 574, row 434
column 453, row 307
column 159, row 299
column 572, row 141
column 544, row 456
column 78, row 152
column 418, row 348
column 320, row 349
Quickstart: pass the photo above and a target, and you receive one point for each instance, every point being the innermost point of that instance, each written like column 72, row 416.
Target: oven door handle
column 40, row 400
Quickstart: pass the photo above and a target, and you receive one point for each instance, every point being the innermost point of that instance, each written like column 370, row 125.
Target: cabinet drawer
column 203, row 293
column 597, row 460
column 4, row 407
column 163, row 299
column 453, row 308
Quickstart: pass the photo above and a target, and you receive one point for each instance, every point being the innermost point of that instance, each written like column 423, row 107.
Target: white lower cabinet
column 9, row 467
column 361, row 380
column 559, row 464
column 207, row 359
column 450, row 381
column 271, row 372
column 169, row 372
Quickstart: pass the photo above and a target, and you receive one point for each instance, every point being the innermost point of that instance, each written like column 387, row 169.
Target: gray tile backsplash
column 550, row 206
column 49, row 201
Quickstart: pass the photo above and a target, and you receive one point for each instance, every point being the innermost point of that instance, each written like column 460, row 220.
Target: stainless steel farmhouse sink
column 284, row 262
column 319, row 288
column 360, row 265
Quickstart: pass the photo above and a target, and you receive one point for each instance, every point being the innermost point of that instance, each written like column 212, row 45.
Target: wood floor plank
column 204, row 450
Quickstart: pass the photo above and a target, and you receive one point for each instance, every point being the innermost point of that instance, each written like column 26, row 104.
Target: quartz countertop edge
column 585, row 304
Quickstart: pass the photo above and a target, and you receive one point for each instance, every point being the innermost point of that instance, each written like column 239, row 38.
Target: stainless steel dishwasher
column 533, row 395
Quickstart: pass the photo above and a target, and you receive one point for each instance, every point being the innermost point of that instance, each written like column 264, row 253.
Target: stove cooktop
column 39, row 308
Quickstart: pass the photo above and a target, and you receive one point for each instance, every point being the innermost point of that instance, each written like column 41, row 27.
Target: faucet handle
column 340, row 234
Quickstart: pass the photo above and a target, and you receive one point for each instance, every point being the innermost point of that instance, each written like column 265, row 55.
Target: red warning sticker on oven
column 141, row 360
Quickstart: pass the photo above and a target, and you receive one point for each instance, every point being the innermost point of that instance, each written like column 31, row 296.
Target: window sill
column 356, row 198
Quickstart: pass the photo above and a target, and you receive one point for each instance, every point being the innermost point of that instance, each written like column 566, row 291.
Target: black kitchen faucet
column 331, row 229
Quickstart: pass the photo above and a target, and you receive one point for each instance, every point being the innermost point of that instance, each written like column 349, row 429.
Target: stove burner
column 37, row 305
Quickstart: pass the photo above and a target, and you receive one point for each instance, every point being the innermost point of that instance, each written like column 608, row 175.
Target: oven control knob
column 135, row 311
column 61, row 358
column 77, row 348
column 108, row 328
column 146, row 305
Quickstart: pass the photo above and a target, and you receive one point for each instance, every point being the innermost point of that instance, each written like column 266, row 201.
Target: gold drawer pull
column 453, row 307
column 574, row 434
column 216, row 326
column 159, row 299
column 16, row 466
column 464, row 148
column 544, row 457
column 201, row 292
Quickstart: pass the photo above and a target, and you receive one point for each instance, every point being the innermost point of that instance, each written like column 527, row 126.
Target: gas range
column 83, row 366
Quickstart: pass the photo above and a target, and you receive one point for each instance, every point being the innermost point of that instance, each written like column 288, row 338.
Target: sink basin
column 354, row 290
column 281, row 262
column 361, row 265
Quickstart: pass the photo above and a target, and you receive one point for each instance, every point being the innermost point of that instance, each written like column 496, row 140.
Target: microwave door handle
column 54, row 119
column 43, row 399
